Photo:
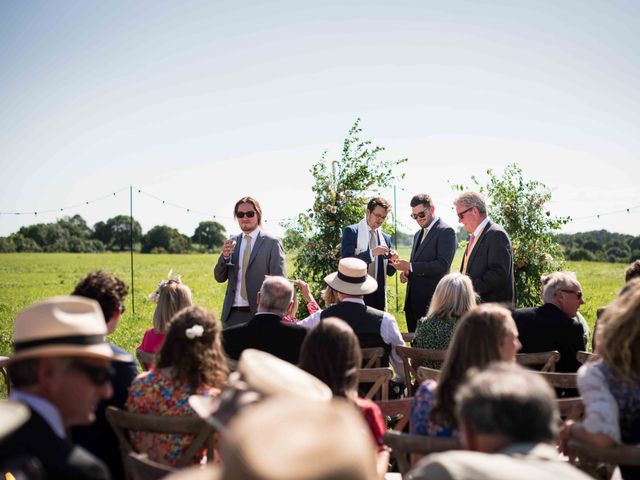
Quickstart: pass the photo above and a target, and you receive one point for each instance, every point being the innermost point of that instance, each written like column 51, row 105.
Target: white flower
column 195, row 331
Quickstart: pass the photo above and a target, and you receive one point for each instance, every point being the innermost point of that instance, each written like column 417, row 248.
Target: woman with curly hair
column 191, row 361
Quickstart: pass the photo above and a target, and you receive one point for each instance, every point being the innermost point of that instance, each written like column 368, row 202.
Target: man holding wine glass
column 245, row 261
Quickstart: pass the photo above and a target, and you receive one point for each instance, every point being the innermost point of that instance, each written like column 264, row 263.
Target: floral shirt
column 423, row 402
column 434, row 333
column 155, row 393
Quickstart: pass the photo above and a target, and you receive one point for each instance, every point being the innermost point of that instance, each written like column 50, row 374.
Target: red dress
column 373, row 416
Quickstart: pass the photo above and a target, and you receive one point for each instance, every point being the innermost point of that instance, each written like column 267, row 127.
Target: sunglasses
column 97, row 375
column 421, row 214
column 461, row 214
column 249, row 214
column 577, row 294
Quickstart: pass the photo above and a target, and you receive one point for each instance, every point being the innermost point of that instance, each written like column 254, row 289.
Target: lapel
column 235, row 256
column 478, row 244
column 430, row 236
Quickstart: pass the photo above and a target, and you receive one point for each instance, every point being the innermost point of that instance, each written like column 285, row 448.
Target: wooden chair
column 590, row 459
column 379, row 379
column 122, row 422
column 547, row 360
column 411, row 359
column 560, row 380
column 571, row 408
column 372, row 357
column 399, row 409
column 408, row 336
column 5, row 376
column 584, row 357
column 426, row 373
column 143, row 468
column 404, row 444
column 145, row 358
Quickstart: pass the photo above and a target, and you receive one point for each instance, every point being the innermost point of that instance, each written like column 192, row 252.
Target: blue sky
column 201, row 102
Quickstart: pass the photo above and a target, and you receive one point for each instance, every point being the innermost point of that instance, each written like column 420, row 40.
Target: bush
column 580, row 254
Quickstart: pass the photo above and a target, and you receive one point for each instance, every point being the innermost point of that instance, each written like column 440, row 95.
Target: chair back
column 571, row 408
column 411, row 359
column 543, row 361
column 372, row 357
column 589, row 459
column 404, row 444
column 5, row 376
column 584, row 357
column 143, row 468
column 560, row 380
column 399, row 410
column 145, row 358
column 377, row 381
column 426, row 373
column 123, row 422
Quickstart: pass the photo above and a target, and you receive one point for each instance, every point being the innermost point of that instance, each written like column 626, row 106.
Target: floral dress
column 155, row 393
column 434, row 333
column 423, row 402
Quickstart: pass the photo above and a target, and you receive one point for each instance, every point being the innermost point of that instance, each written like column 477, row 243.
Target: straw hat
column 351, row 278
column 258, row 375
column 62, row 326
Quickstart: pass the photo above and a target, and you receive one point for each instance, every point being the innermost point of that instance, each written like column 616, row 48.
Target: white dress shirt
column 45, row 409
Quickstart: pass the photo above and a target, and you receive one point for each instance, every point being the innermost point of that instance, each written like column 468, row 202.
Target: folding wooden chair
column 143, row 468
column 411, row 359
column 560, row 380
column 398, row 410
column 584, row 357
column 378, row 379
column 145, row 358
column 426, row 373
column 372, row 357
column 543, row 361
column 123, row 422
column 571, row 408
column 5, row 376
column 404, row 444
column 591, row 460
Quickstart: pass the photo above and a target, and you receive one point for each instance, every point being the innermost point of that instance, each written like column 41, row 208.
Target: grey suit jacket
column 267, row 258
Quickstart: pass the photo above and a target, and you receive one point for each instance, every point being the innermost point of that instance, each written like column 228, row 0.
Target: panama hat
column 69, row 326
column 351, row 278
column 259, row 375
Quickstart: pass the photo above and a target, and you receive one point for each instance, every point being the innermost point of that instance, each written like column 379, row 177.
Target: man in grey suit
column 507, row 416
column 434, row 246
column 488, row 258
column 245, row 261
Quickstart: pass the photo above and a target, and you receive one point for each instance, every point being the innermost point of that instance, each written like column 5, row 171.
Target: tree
column 341, row 194
column 163, row 238
column 116, row 232
column 209, row 233
column 519, row 206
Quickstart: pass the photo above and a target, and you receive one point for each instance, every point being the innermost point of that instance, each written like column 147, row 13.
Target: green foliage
column 341, row 194
column 116, row 232
column 164, row 239
column 519, row 206
column 603, row 246
column 209, row 233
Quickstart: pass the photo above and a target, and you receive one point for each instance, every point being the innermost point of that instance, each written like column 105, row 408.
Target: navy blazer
column 376, row 299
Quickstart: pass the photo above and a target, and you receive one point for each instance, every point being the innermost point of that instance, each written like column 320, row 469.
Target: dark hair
column 199, row 359
column 378, row 202
column 23, row 373
column 108, row 290
column 253, row 202
column 331, row 352
column 632, row 271
column 421, row 199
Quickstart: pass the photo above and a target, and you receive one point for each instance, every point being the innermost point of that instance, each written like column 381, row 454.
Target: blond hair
column 454, row 296
column 172, row 296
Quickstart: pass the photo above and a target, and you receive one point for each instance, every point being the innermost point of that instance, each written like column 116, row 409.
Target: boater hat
column 351, row 278
column 70, row 326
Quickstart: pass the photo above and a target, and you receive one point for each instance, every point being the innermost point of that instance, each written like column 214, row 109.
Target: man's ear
column 290, row 308
column 258, row 298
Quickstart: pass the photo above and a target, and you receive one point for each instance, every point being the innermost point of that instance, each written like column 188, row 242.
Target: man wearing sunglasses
column 61, row 370
column 434, row 246
column 244, row 263
column 488, row 258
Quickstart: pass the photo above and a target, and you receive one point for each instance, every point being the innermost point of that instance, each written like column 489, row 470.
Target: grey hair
column 471, row 199
column 276, row 294
column 505, row 399
column 454, row 296
column 557, row 281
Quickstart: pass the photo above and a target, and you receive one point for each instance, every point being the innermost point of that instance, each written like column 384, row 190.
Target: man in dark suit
column 60, row 369
column 265, row 331
column 434, row 246
column 367, row 241
column 488, row 258
column 553, row 326
column 244, row 263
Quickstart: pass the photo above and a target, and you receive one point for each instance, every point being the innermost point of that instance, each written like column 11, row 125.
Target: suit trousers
column 237, row 318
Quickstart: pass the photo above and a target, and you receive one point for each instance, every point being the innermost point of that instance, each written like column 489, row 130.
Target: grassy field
column 26, row 278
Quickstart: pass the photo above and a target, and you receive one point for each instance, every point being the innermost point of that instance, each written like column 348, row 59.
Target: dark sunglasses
column 249, row 214
column 577, row 294
column 461, row 214
column 97, row 375
column 421, row 214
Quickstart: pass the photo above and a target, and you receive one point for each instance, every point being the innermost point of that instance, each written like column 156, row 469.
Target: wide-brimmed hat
column 351, row 278
column 259, row 375
column 70, row 326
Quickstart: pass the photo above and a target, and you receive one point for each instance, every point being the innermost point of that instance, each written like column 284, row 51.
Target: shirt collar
column 354, row 300
column 480, row 228
column 45, row 409
column 253, row 234
column 435, row 219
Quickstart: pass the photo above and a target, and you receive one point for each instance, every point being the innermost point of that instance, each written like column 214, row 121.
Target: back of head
column 108, row 290
column 508, row 401
column 331, row 352
column 454, row 296
column 632, row 271
column 556, row 281
column 193, row 348
column 276, row 294
column 171, row 296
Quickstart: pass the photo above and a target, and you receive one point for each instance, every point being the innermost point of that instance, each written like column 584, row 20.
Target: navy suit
column 349, row 243
column 430, row 261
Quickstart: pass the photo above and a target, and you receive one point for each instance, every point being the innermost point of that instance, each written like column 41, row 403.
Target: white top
column 238, row 300
column 601, row 408
column 389, row 331
column 45, row 409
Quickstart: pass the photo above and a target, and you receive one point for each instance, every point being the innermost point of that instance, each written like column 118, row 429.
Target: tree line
column 72, row 234
column 600, row 246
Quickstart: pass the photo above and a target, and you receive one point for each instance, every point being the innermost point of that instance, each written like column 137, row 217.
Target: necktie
column 373, row 243
column 245, row 264
column 425, row 231
column 472, row 239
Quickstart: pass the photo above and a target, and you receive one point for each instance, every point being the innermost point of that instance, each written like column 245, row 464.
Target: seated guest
column 507, row 418
column 110, row 292
column 170, row 297
column 191, row 361
column 610, row 386
column 312, row 305
column 487, row 333
column 331, row 352
column 586, row 331
column 266, row 331
column 374, row 328
column 553, row 326
column 453, row 297
column 60, row 369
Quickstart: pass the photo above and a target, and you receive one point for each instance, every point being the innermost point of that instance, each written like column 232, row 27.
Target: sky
column 199, row 103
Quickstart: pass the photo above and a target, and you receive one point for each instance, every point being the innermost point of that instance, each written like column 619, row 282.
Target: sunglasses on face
column 97, row 375
column 421, row 214
column 461, row 214
column 249, row 214
column 577, row 294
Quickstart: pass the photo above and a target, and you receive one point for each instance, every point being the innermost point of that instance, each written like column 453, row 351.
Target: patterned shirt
column 423, row 402
column 434, row 333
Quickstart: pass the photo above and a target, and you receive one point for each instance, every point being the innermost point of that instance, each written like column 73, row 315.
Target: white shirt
column 238, row 300
column 45, row 409
column 480, row 228
column 389, row 331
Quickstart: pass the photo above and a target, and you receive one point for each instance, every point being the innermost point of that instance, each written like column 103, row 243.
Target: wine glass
column 232, row 242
